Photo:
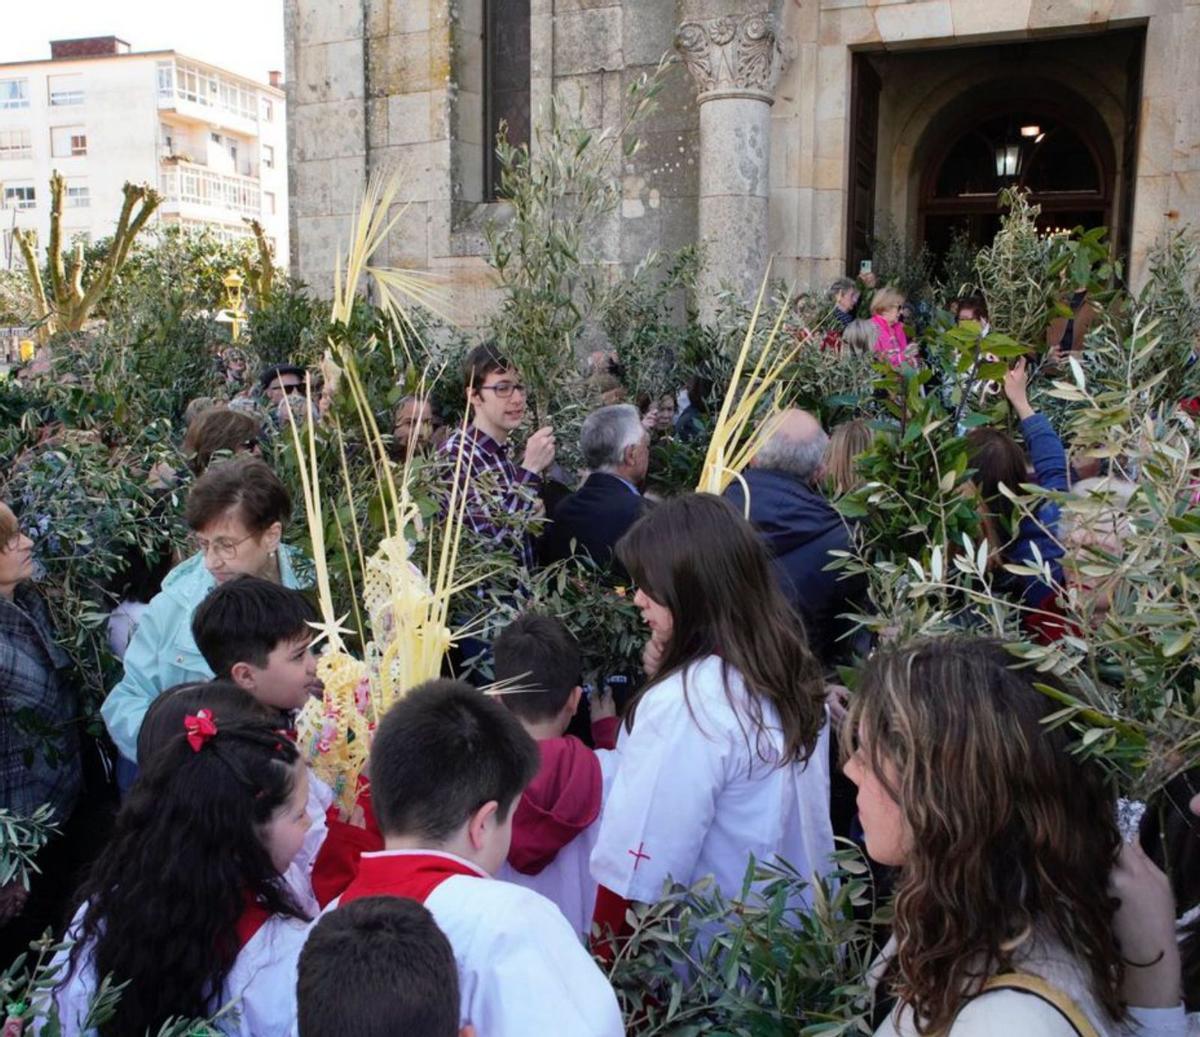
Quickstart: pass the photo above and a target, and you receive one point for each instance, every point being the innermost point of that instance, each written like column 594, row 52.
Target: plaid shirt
column 39, row 711
column 498, row 492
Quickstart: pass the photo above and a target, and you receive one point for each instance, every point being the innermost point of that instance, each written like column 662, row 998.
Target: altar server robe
column 261, row 985
column 522, row 968
column 697, row 792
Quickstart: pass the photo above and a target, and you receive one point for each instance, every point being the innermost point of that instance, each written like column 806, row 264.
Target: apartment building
column 212, row 142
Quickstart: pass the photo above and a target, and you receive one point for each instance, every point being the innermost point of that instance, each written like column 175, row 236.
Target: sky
column 244, row 36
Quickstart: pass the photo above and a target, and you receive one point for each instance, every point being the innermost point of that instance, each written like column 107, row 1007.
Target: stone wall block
column 408, row 15
column 344, row 69
column 329, row 21
column 989, row 17
column 648, row 31
column 313, row 195
column 333, row 129
column 588, row 41
column 409, row 119
column 920, row 21
column 310, row 75
column 1055, row 14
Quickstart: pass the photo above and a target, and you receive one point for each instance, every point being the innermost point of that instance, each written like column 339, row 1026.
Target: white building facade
column 214, row 144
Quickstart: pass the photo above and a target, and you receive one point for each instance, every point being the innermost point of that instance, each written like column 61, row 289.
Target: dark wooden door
column 864, row 142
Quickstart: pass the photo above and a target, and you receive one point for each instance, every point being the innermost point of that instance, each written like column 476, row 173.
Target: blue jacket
column 163, row 652
column 1050, row 468
column 801, row 527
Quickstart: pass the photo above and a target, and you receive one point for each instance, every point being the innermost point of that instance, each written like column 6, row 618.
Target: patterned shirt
column 39, row 712
column 500, row 496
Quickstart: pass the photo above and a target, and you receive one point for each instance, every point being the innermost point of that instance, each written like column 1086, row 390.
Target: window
column 268, row 110
column 232, row 146
column 68, row 141
column 268, row 203
column 268, row 156
column 20, row 196
column 15, row 144
column 14, row 93
column 506, row 82
column 65, row 90
column 78, row 196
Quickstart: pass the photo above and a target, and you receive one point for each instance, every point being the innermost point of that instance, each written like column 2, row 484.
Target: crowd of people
column 493, row 862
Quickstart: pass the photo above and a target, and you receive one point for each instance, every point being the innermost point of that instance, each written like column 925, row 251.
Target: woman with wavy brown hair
column 1003, row 840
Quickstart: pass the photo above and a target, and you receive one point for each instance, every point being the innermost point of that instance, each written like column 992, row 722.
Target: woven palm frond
column 733, row 441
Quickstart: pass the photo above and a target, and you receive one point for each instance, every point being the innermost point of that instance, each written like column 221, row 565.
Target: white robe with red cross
column 697, row 792
column 522, row 969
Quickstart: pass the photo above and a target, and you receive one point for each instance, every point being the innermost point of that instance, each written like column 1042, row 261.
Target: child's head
column 705, row 588
column 860, row 336
column 377, row 967
column 447, row 765
column 256, row 633
column 164, row 719
column 848, row 442
column 539, row 653
column 216, row 815
column 997, row 459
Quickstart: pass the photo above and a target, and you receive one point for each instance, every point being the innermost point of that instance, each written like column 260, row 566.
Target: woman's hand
column 1016, row 385
column 603, row 705
column 1145, row 928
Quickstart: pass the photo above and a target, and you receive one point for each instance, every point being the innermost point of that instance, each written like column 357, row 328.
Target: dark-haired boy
column 447, row 766
column 497, row 490
column 257, row 634
column 557, row 819
column 378, row 967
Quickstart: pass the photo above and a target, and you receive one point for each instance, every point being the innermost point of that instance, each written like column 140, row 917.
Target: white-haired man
column 616, row 450
column 801, row 527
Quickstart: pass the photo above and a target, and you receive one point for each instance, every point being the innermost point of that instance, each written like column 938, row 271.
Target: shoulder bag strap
column 1038, row 987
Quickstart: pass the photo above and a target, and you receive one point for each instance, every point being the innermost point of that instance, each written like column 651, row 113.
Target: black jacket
column 801, row 527
column 595, row 517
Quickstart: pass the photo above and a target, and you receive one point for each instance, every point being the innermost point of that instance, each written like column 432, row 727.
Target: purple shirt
column 495, row 488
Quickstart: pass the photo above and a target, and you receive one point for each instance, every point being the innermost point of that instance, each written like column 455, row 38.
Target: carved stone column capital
column 736, row 55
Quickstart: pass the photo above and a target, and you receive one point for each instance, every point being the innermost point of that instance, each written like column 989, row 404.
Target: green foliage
column 557, row 194
column 288, row 327
column 958, row 275
column 20, row 840
column 896, row 261
column 763, row 966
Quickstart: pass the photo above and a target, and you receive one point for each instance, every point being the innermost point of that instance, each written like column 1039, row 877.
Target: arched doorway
column 1060, row 156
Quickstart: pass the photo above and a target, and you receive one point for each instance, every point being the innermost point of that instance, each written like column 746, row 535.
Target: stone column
column 736, row 60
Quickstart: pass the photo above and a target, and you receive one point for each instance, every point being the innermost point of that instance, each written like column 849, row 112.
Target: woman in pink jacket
column 892, row 344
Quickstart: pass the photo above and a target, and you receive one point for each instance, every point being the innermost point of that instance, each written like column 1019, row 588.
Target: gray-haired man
column 616, row 449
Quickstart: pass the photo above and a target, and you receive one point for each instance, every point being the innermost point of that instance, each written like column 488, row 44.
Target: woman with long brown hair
column 1004, row 842
column 724, row 753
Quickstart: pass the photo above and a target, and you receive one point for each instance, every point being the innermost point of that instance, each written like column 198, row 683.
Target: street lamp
column 1008, row 158
column 233, row 282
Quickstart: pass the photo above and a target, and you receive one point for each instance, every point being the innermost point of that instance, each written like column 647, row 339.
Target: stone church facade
column 789, row 129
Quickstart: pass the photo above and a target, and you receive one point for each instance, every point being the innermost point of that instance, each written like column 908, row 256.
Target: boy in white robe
column 558, row 816
column 447, row 766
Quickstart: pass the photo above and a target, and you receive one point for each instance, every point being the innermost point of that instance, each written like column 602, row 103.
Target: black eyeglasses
column 291, row 390
column 504, row 389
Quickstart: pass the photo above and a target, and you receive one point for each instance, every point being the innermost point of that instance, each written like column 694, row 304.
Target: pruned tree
column 260, row 272
column 69, row 302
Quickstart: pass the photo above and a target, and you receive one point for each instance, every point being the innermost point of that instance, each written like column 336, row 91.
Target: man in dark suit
column 616, row 449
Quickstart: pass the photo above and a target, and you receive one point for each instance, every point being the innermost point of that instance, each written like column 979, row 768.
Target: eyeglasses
column 292, row 389
column 504, row 390
column 222, row 547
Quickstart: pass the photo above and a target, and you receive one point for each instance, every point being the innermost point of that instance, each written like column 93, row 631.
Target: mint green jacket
column 162, row 652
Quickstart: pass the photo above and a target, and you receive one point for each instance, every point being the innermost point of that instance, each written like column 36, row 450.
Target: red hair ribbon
column 200, row 728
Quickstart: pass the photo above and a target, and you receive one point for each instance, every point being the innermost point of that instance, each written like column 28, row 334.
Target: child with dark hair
column 376, row 968
column 257, row 634
column 557, row 817
column 188, row 904
column 446, row 767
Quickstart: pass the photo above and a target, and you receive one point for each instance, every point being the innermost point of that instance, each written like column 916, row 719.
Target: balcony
column 198, row 95
column 193, row 191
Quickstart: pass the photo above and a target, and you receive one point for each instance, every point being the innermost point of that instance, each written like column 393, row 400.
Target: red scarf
column 254, row 917
column 405, row 873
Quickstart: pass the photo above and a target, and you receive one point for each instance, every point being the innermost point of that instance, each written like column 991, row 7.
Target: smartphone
column 864, row 267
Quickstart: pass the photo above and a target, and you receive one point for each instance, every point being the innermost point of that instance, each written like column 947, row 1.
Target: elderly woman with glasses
column 237, row 510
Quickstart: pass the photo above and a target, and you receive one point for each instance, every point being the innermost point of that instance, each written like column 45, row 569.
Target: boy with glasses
column 500, row 494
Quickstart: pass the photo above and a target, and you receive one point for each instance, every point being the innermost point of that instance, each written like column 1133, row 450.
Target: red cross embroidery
column 638, row 856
